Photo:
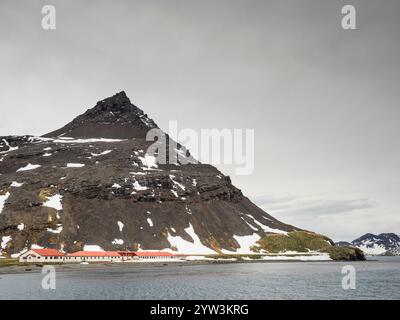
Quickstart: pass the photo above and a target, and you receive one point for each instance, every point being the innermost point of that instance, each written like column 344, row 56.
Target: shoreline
column 63, row 267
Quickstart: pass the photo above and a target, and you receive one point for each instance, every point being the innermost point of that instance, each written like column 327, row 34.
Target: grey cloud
column 291, row 206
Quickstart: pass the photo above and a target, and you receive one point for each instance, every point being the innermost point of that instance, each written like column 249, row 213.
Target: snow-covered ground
column 118, row 241
column 92, row 248
column 15, row 184
column 3, row 199
column 101, row 153
column 75, row 165
column 176, row 183
column 73, row 140
column 120, row 226
column 186, row 247
column 28, row 167
column 54, row 202
column 57, row 230
column 264, row 227
column 245, row 242
column 138, row 186
column 9, row 147
column 148, row 162
column 4, row 241
column 375, row 249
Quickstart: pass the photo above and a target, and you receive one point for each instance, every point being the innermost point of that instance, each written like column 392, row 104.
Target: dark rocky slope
column 91, row 183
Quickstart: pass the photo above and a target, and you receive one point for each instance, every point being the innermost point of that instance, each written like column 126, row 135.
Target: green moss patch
column 303, row 241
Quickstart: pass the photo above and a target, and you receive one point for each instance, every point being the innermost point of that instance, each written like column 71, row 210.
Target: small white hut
column 42, row 255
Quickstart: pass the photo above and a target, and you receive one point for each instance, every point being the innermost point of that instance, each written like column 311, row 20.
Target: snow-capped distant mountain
column 382, row 244
column 343, row 244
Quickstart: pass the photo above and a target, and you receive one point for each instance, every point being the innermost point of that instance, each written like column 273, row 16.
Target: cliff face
column 92, row 183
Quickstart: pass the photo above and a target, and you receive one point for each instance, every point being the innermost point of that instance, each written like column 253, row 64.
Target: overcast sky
column 324, row 102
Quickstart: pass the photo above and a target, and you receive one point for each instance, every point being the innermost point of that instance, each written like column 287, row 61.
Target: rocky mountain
column 382, row 244
column 92, row 183
column 343, row 244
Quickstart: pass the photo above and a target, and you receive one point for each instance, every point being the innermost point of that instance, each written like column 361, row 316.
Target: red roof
column 48, row 252
column 127, row 253
column 153, row 254
column 119, row 254
column 94, row 254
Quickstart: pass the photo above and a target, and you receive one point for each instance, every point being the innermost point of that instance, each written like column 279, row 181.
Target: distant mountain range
column 387, row 244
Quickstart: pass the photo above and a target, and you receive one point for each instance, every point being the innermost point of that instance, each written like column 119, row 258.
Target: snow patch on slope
column 255, row 229
column 3, row 199
column 183, row 246
column 29, row 166
column 9, row 147
column 264, row 227
column 174, row 193
column 101, row 154
column 148, row 161
column 4, row 241
column 75, row 165
column 54, row 202
column 118, row 241
column 245, row 242
column 375, row 249
column 57, row 230
column 72, row 140
column 90, row 247
column 138, row 187
column 36, row 246
column 120, row 226
column 176, row 183
column 15, row 184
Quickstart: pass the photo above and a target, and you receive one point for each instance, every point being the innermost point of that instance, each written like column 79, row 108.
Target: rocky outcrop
column 114, row 117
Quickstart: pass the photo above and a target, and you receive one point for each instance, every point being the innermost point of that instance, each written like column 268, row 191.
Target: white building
column 54, row 256
column 42, row 255
column 93, row 256
column 157, row 256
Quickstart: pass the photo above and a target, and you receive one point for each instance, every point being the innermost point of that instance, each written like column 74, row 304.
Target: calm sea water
column 278, row 280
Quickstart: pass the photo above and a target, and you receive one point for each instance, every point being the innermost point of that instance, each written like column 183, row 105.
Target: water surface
column 265, row 280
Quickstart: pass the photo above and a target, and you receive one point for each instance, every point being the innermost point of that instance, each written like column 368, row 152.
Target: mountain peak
column 379, row 244
column 118, row 101
column 113, row 117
